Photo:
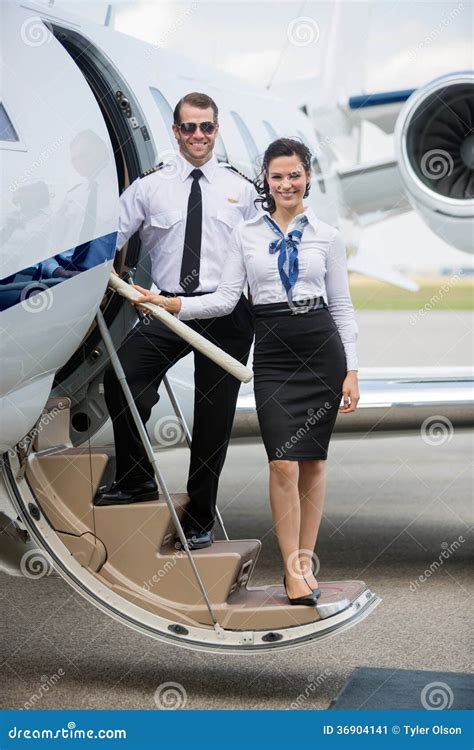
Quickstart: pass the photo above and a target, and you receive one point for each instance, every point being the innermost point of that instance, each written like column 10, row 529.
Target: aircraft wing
column 372, row 192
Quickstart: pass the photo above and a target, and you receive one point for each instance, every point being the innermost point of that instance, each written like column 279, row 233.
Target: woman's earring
column 306, row 192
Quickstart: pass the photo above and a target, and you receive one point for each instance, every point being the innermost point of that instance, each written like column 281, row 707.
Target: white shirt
column 322, row 272
column 157, row 205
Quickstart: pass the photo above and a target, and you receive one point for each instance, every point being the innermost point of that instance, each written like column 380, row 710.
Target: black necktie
column 189, row 276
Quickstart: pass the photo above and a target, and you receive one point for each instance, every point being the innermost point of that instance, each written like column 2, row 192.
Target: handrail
column 176, row 406
column 217, row 355
column 118, row 369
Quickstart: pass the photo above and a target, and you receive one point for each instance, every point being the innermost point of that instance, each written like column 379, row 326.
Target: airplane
column 84, row 110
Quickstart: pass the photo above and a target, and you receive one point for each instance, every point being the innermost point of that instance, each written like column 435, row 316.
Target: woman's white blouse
column 322, row 272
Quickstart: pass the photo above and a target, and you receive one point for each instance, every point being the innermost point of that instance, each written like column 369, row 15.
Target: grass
column 435, row 293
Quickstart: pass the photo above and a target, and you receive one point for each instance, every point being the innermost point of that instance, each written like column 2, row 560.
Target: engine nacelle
column 434, row 140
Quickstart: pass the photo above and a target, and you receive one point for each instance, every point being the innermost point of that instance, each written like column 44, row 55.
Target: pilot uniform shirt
column 322, row 272
column 157, row 205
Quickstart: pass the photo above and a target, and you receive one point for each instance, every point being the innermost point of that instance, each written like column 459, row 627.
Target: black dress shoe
column 309, row 600
column 117, row 495
column 196, row 539
column 317, row 592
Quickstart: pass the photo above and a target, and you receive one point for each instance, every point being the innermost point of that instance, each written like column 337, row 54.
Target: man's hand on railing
column 161, row 307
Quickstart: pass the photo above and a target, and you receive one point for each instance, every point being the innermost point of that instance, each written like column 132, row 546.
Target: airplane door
column 60, row 214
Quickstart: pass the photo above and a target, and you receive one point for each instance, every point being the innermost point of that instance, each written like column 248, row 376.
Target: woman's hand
column 350, row 392
column 170, row 304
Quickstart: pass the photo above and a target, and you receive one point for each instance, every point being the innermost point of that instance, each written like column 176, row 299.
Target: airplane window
column 220, row 150
column 247, row 137
column 315, row 163
column 7, row 131
column 164, row 107
column 270, row 130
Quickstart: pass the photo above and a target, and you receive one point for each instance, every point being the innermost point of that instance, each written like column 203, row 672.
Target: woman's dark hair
column 280, row 147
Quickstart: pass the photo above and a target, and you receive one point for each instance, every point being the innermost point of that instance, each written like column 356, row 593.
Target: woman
column 305, row 356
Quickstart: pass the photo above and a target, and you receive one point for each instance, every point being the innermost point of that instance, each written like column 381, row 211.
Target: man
column 186, row 211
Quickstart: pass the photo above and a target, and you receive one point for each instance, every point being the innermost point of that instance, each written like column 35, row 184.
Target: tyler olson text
column 435, row 729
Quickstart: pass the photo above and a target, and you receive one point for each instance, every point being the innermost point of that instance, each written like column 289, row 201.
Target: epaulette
column 153, row 169
column 234, row 169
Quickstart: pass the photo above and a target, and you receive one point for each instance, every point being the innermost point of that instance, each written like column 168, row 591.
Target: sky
column 404, row 42
column 351, row 47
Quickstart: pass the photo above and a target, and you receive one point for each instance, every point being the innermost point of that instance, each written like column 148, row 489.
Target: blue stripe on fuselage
column 47, row 273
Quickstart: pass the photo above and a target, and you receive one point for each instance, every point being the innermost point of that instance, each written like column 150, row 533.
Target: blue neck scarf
column 287, row 245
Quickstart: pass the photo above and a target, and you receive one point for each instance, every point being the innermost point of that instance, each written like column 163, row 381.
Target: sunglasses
column 190, row 127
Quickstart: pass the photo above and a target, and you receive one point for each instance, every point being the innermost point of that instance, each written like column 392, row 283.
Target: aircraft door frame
column 81, row 377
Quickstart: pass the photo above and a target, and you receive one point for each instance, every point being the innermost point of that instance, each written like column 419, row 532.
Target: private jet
column 84, row 111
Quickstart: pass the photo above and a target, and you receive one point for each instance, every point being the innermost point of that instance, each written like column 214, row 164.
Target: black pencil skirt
column 299, row 368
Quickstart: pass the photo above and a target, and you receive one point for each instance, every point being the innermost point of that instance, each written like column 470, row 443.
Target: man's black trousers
column 146, row 354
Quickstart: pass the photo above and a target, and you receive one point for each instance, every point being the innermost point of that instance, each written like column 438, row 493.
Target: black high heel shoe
column 310, row 599
column 317, row 592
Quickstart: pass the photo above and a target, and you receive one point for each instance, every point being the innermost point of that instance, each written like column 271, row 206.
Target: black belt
column 183, row 294
column 297, row 307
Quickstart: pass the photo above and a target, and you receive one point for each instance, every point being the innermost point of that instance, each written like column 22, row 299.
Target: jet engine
column 434, row 139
